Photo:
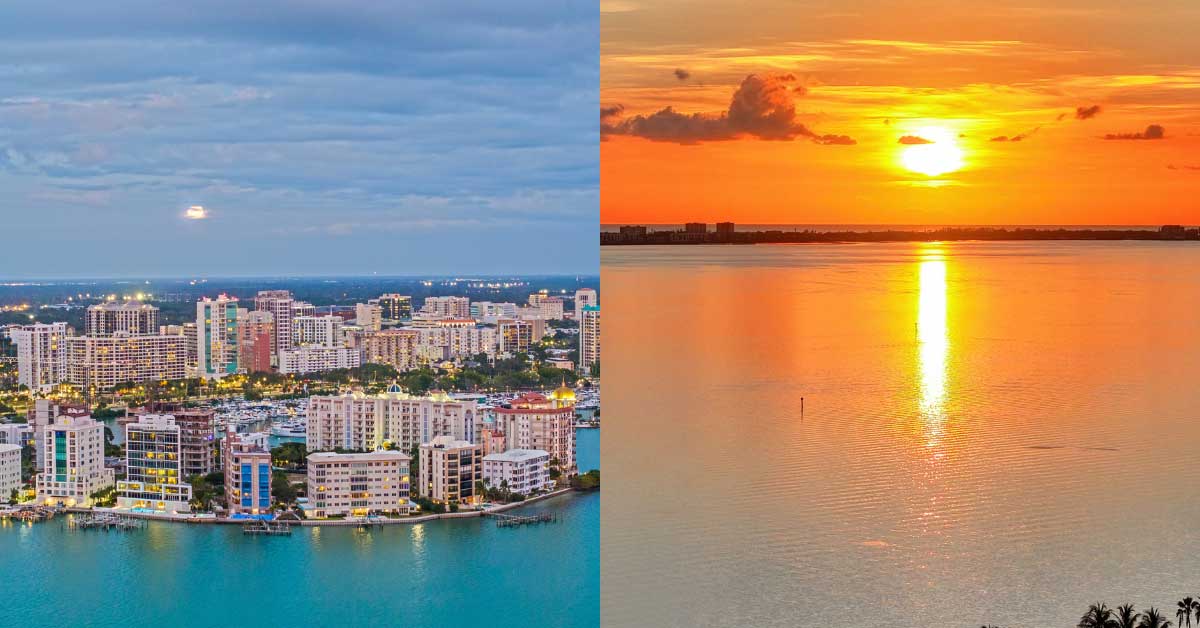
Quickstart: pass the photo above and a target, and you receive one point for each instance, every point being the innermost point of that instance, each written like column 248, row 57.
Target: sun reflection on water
column 934, row 343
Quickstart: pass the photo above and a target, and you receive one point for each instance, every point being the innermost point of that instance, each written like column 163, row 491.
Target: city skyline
column 881, row 113
column 297, row 140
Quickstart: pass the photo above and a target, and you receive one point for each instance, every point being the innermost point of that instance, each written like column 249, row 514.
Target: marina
column 104, row 521
column 516, row 521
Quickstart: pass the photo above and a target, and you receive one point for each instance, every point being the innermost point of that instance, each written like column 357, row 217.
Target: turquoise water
column 444, row 573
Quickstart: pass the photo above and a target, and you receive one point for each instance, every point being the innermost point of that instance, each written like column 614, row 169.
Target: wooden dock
column 267, row 528
column 514, row 521
column 104, row 521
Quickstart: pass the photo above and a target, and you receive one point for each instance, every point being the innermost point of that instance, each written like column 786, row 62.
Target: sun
column 941, row 153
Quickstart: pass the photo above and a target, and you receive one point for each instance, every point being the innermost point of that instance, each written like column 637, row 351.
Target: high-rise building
column 514, row 336
column 449, row 469
column 256, row 334
column 154, row 477
column 583, row 298
column 533, row 315
column 129, row 317
column 551, row 308
column 534, row 421
column 317, row 331
column 589, row 340
column 313, row 359
column 397, row 347
column 101, row 362
column 43, row 413
column 217, row 337
column 359, row 421
column 490, row 312
column 72, row 462
column 197, row 436
column 303, row 308
column 358, row 484
column 369, row 316
column 396, row 307
column 247, row 474
column 279, row 303
column 446, row 307
column 41, row 354
column 455, row 339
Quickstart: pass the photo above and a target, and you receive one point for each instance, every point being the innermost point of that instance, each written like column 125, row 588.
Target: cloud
column 913, row 139
column 1184, row 167
column 195, row 212
column 1015, row 138
column 763, row 106
column 611, row 112
column 1152, row 132
column 1085, row 113
column 682, row 74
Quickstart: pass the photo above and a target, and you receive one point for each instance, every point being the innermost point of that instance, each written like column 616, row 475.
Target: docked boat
column 290, row 429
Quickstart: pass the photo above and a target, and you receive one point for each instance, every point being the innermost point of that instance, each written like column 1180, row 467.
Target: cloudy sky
column 921, row 111
column 318, row 136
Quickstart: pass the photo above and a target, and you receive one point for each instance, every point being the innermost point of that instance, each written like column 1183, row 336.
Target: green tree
column 281, row 488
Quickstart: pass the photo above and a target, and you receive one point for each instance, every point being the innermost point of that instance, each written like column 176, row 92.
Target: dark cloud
column 1152, row 132
column 913, row 139
column 682, row 74
column 1185, row 167
column 1085, row 113
column 763, row 106
column 1060, row 116
column 611, row 112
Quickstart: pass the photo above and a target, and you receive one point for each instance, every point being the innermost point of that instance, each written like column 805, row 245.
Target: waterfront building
column 10, row 470
column 128, row 317
column 101, row 362
column 368, row 316
column 217, row 337
column 356, row 420
column 589, row 339
column 397, row 347
column 449, row 470
column 396, row 307
column 515, row 336
column 197, row 436
column 317, row 331
column 42, row 414
column 583, row 298
column 317, row 358
column 256, row 334
column 41, row 354
column 520, row 470
column 247, row 474
column 695, row 228
column 535, row 421
column 358, row 484
column 154, row 478
column 279, row 304
column 446, row 307
column 71, row 462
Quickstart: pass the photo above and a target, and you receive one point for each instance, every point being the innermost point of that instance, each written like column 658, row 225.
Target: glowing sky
column 972, row 112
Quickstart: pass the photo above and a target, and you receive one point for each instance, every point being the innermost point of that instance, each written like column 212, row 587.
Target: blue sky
column 321, row 137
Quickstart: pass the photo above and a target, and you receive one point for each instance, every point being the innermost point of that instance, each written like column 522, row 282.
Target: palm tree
column 1183, row 612
column 1127, row 617
column 1098, row 615
column 1153, row 619
column 1196, row 610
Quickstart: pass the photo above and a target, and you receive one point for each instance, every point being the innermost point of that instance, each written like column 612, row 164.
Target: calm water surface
column 444, row 573
column 990, row 433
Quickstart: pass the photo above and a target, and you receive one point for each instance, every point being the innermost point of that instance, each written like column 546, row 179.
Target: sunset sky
column 973, row 112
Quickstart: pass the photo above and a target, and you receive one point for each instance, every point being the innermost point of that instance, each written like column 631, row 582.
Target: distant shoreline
column 698, row 234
